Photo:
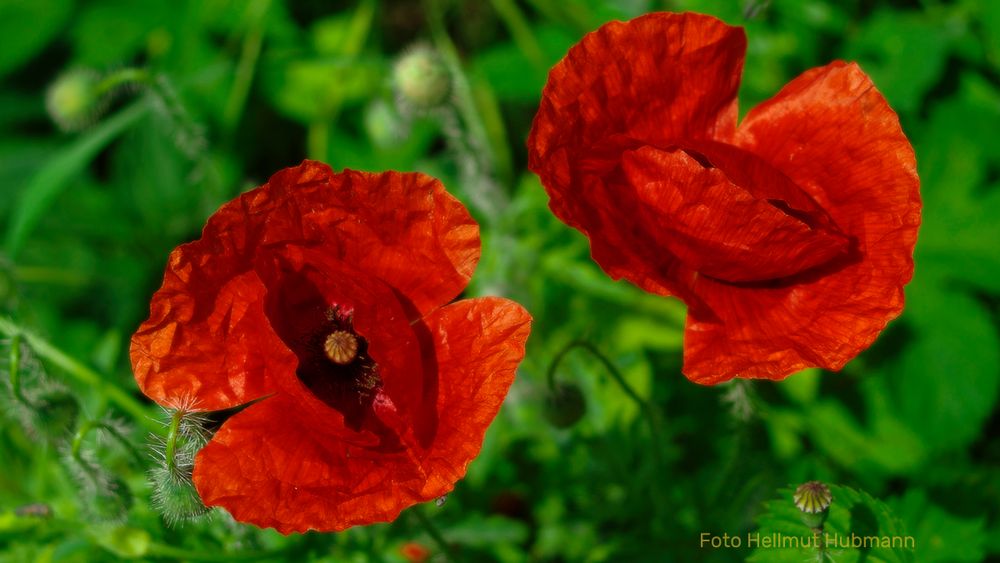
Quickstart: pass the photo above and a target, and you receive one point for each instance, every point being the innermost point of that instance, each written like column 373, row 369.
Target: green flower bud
column 175, row 496
column 75, row 99
column 421, row 78
column 813, row 499
column 58, row 410
column 565, row 405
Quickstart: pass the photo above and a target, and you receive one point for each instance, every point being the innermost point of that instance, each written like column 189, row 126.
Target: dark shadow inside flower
column 731, row 217
column 426, row 419
column 330, row 317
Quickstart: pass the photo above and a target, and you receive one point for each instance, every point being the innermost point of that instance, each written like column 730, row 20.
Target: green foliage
column 229, row 91
column 854, row 516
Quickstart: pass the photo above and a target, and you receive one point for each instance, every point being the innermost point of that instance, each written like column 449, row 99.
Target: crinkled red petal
column 656, row 80
column 275, row 466
column 207, row 344
column 402, row 228
column 478, row 344
column 718, row 228
column 834, row 135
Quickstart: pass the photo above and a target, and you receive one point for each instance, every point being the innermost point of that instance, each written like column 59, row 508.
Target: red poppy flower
column 789, row 237
column 414, row 552
column 324, row 296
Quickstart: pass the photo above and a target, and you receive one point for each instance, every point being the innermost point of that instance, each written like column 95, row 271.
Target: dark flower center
column 334, row 364
column 341, row 347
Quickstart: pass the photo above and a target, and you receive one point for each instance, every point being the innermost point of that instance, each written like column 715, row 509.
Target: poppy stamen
column 341, row 347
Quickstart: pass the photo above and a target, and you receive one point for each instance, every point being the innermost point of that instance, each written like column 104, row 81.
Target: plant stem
column 645, row 406
column 82, row 374
column 434, row 533
column 171, row 447
column 14, row 366
column 123, row 76
column 318, row 140
column 478, row 142
column 521, row 31
column 89, row 425
column 247, row 65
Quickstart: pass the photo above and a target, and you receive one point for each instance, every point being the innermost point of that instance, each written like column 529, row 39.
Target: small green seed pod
column 813, row 499
column 75, row 99
column 565, row 405
column 421, row 78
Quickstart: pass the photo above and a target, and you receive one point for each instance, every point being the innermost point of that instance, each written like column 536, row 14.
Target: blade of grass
column 46, row 185
column 82, row 374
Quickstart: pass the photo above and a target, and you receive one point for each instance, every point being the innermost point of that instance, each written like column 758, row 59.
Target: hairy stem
column 82, row 374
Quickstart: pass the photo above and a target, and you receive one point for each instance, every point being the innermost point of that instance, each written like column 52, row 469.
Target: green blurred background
column 208, row 98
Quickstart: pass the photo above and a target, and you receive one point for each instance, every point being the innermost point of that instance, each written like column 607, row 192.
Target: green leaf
column 476, row 530
column 45, row 18
column 883, row 446
column 957, row 238
column 945, row 381
column 904, row 54
column 940, row 536
column 310, row 90
column 512, row 75
column 60, row 170
column 802, row 387
column 854, row 516
column 109, row 32
column 124, row 541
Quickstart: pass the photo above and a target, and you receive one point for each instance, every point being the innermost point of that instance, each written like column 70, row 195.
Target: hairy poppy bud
column 421, row 78
column 75, row 99
column 174, row 495
column 813, row 499
column 565, row 405
column 58, row 410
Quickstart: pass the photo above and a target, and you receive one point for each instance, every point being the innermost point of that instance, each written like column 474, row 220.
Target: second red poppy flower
column 789, row 237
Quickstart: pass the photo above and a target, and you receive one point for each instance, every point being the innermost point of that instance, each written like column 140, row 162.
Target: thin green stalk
column 14, row 367
column 318, row 140
column 65, row 165
column 521, row 31
column 246, row 67
column 82, row 374
column 171, row 446
column 131, row 75
column 434, row 533
column 90, row 425
column 318, row 134
column 650, row 414
column 479, row 140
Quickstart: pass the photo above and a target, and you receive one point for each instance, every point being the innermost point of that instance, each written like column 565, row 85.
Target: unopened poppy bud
column 421, row 78
column 565, row 405
column 75, row 99
column 58, row 412
column 813, row 499
column 175, row 496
